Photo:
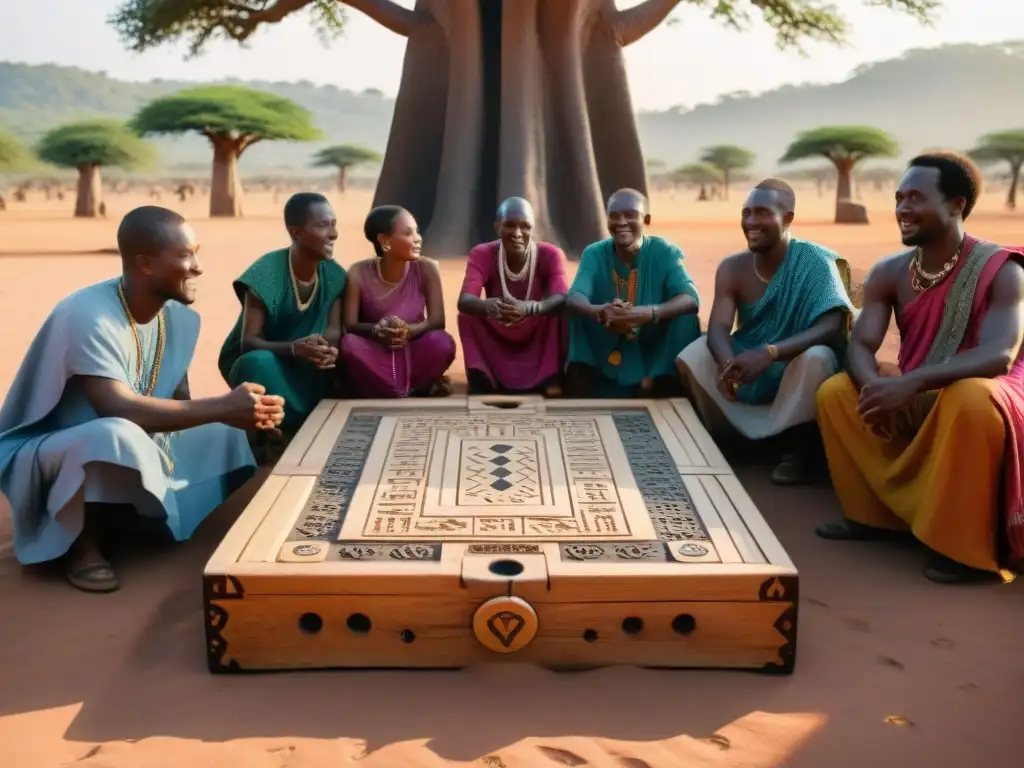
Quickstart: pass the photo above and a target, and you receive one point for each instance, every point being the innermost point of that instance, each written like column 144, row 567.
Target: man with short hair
column 513, row 339
column 100, row 413
column 936, row 451
column 632, row 308
column 288, row 330
column 786, row 299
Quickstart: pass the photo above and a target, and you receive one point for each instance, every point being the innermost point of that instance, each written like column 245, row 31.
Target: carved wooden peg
column 505, row 624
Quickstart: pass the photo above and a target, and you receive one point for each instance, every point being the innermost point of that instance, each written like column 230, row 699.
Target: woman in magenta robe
column 514, row 339
column 395, row 344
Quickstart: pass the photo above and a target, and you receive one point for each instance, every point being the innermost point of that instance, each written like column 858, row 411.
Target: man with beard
column 289, row 327
column 100, row 415
column 936, row 451
column 786, row 299
column 513, row 339
column 632, row 309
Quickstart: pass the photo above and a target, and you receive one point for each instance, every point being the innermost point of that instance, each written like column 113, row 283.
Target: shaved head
column 628, row 200
column 779, row 191
column 514, row 208
column 767, row 215
column 147, row 231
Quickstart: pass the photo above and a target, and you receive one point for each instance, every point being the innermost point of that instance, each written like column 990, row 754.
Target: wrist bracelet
column 773, row 351
column 655, row 315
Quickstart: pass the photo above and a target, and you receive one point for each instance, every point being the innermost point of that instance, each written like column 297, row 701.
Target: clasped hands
column 317, row 350
column 249, row 407
column 506, row 311
column 743, row 369
column 882, row 399
column 392, row 332
column 621, row 317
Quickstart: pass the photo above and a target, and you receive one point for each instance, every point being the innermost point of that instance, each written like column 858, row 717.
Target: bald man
column 786, row 300
column 632, row 308
column 513, row 337
column 100, row 414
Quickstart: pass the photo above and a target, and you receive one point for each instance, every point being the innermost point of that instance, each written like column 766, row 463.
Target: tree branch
column 386, row 13
column 630, row 24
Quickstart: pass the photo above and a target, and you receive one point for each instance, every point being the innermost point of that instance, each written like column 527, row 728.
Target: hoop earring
column 386, row 248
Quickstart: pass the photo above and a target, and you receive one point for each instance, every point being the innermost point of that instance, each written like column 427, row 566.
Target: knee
column 972, row 401
column 835, row 390
column 694, row 351
column 445, row 343
column 820, row 360
column 249, row 366
column 122, row 431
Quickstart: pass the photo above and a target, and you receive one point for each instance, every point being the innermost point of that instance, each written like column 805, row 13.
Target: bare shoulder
column 358, row 269
column 430, row 267
column 1008, row 283
column 887, row 271
column 732, row 267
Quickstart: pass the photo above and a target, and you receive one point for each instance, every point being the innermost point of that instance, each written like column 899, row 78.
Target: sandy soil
column 892, row 669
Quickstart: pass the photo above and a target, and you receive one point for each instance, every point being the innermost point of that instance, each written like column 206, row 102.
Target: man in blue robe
column 100, row 413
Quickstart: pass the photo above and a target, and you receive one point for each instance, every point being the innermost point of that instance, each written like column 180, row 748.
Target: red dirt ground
column 892, row 670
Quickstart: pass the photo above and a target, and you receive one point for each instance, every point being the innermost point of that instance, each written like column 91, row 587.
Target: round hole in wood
column 501, row 404
column 590, row 635
column 632, row 625
column 684, row 624
column 358, row 623
column 310, row 623
column 407, row 636
column 506, row 568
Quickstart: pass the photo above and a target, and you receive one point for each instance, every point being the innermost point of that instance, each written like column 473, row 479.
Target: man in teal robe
column 100, row 413
column 289, row 327
column 631, row 309
column 786, row 299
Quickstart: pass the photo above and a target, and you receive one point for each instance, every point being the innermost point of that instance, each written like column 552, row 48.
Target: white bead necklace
column 504, row 272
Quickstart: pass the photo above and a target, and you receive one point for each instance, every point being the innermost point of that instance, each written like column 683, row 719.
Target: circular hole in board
column 358, row 623
column 505, row 567
column 407, row 636
column 684, row 624
column 632, row 625
column 590, row 635
column 310, row 623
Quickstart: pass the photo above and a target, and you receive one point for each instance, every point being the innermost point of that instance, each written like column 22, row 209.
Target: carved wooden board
column 389, row 529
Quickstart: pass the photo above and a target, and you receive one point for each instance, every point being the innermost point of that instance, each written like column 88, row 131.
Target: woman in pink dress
column 395, row 344
column 514, row 337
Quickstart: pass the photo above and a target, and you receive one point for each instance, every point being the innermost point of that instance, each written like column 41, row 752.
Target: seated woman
column 395, row 344
column 287, row 333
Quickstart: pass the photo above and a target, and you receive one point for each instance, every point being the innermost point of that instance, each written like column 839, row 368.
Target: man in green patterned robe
column 289, row 328
column 786, row 299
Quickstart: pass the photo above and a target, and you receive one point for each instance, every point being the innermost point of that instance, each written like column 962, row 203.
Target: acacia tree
column 498, row 97
column 702, row 175
column 88, row 146
column 343, row 157
column 14, row 155
column 233, row 118
column 728, row 158
column 1003, row 146
column 844, row 146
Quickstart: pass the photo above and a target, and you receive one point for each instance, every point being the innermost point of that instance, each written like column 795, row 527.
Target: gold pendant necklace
column 160, row 340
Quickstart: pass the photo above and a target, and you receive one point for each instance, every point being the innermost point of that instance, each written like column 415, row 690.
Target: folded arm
column 873, row 322
column 434, row 299
column 999, row 339
column 823, row 331
column 254, row 320
column 723, row 314
column 351, row 306
column 111, row 398
column 333, row 331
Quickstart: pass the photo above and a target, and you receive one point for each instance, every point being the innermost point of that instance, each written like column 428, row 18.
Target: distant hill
column 944, row 96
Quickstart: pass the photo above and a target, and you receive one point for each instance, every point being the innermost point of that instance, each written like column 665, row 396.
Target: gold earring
column 387, row 248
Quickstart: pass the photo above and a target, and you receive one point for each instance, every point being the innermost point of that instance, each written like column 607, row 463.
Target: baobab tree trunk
column 90, row 191
column 844, row 178
column 1011, row 197
column 512, row 97
column 342, row 178
column 226, row 185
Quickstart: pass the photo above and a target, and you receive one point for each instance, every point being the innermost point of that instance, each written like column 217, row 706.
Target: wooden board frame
column 281, row 589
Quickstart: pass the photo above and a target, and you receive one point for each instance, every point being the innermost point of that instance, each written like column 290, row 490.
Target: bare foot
column 87, row 569
column 442, row 387
column 553, row 391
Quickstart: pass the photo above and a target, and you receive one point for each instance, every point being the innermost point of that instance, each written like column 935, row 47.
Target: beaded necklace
column 160, row 340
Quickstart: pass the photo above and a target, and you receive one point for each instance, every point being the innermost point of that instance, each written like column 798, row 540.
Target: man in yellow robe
column 923, row 452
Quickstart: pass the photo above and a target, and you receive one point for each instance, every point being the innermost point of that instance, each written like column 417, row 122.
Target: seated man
column 787, row 300
column 632, row 309
column 100, row 414
column 288, row 330
column 513, row 339
column 925, row 452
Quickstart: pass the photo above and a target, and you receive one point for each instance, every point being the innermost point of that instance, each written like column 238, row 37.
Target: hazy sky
column 689, row 63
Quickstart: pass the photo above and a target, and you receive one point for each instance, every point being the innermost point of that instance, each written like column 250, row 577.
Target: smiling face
column 515, row 229
column 317, row 236
column 922, row 211
column 627, row 217
column 764, row 219
column 405, row 242
column 173, row 271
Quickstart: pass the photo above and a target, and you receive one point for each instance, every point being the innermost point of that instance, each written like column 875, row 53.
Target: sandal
column 848, row 530
column 94, row 577
column 789, row 471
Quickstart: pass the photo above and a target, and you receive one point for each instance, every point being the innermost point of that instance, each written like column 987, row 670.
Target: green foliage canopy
column 728, row 157
column 839, row 143
column 233, row 110
column 96, row 142
column 13, row 154
column 1000, row 146
column 144, row 24
column 345, row 156
column 698, row 173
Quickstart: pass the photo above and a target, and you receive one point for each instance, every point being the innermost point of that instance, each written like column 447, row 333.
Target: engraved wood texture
column 411, row 515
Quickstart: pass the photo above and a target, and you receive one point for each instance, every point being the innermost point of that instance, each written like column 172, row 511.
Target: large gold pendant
column 615, row 357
